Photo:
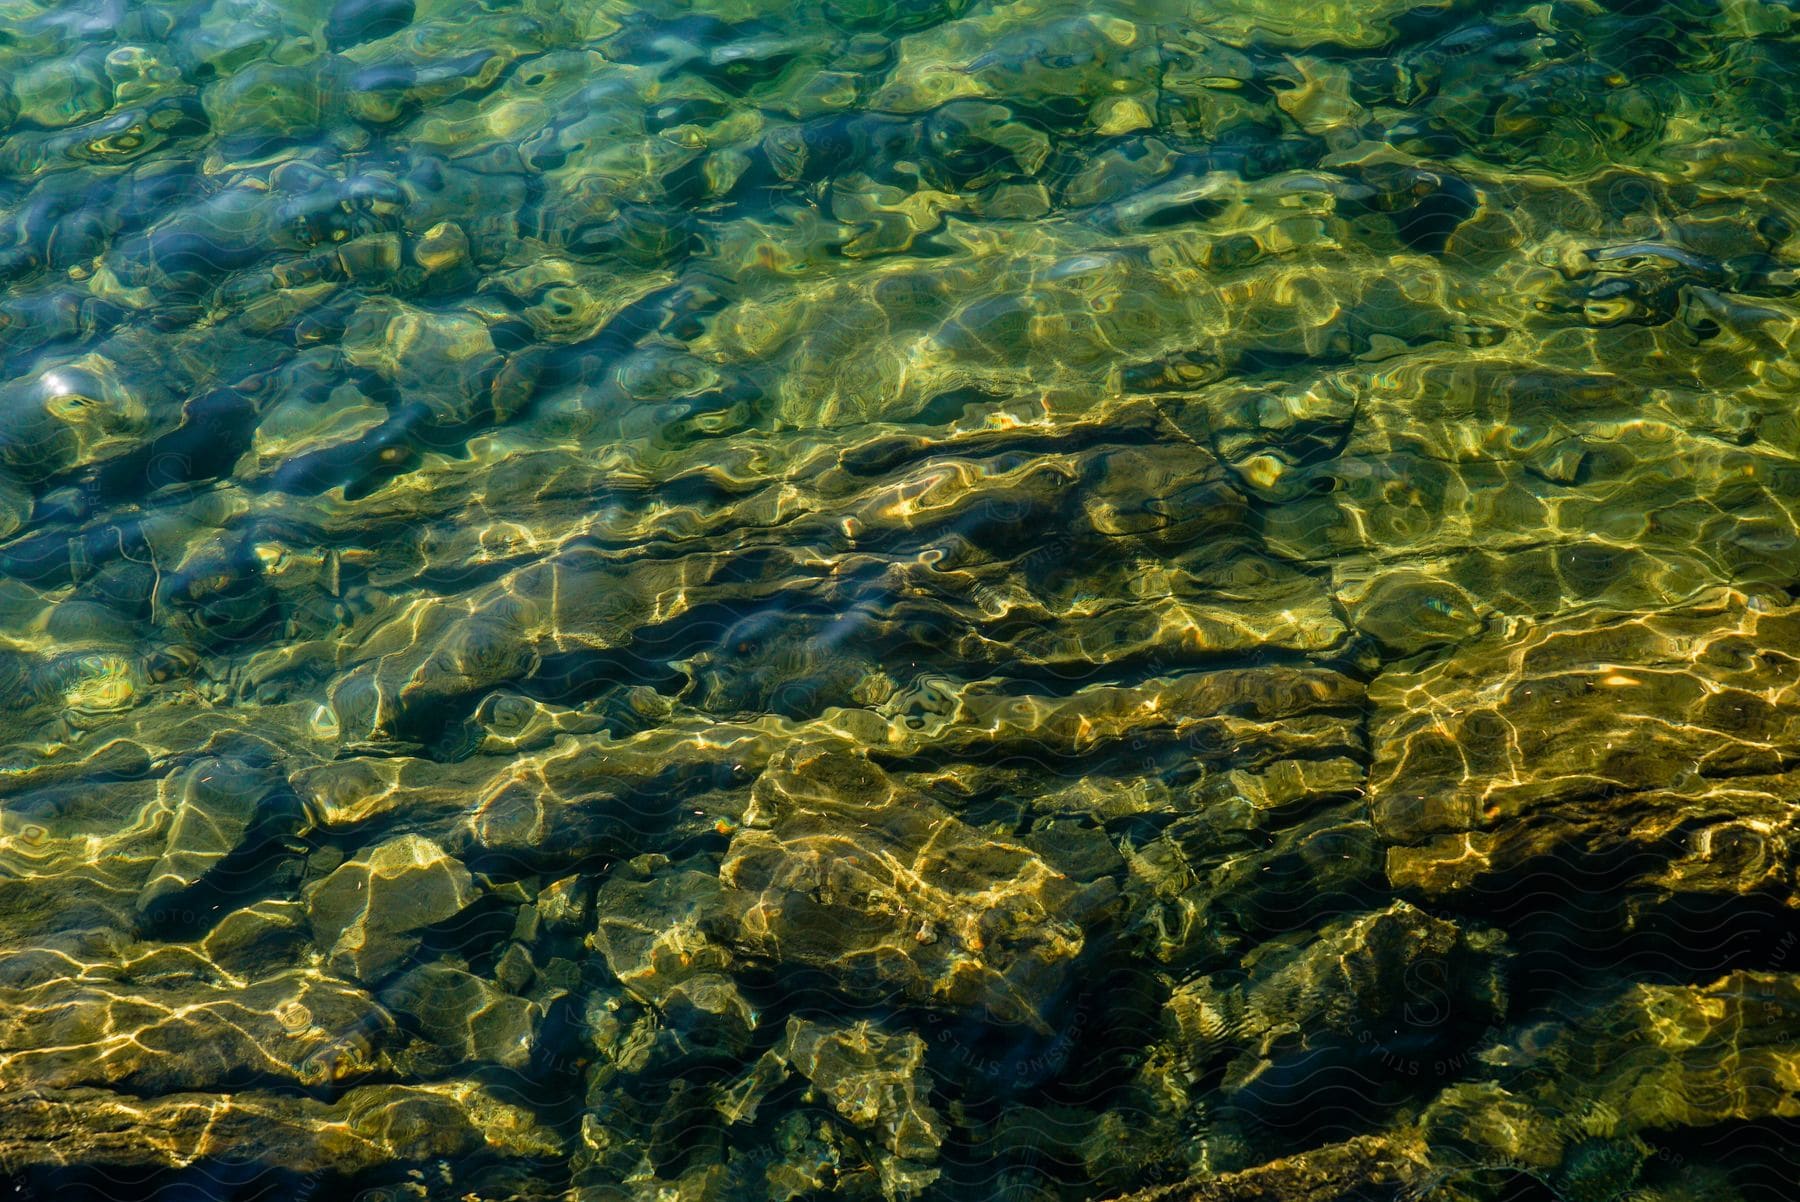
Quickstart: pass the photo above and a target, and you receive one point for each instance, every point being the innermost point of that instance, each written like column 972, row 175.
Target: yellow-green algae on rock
column 899, row 599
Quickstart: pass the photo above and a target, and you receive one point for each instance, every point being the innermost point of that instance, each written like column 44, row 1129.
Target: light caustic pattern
column 946, row 599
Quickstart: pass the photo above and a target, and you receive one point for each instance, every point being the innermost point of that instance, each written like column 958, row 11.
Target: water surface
column 885, row 599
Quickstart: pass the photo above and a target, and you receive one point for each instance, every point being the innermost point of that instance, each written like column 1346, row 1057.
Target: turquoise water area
column 715, row 600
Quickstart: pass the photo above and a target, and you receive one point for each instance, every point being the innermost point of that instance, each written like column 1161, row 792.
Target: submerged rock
column 367, row 914
column 1396, row 972
column 351, row 22
column 876, row 1081
column 367, row 1127
column 864, row 600
column 655, row 936
column 1388, row 1163
column 219, row 800
column 842, row 871
column 148, row 1034
column 1606, row 736
column 1661, row 1057
column 258, row 938
column 465, row 1018
column 65, row 413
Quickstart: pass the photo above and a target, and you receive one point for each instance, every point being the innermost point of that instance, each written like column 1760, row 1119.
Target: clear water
column 885, row 599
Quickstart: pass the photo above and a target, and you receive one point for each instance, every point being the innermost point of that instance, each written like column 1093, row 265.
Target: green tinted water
column 938, row 599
